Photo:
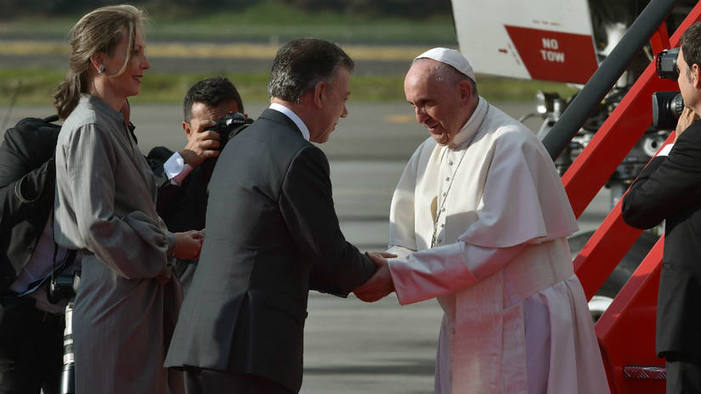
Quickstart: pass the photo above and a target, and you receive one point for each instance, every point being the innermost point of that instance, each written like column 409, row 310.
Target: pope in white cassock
column 479, row 220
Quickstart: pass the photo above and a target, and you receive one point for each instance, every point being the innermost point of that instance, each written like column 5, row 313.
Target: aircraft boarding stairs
column 626, row 330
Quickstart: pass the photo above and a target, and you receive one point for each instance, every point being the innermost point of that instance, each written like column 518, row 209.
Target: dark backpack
column 32, row 131
column 27, row 182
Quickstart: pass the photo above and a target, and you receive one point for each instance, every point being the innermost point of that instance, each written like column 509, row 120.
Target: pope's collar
column 293, row 116
column 471, row 126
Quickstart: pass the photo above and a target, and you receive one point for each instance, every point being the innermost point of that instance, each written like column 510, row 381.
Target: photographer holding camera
column 212, row 115
column 669, row 189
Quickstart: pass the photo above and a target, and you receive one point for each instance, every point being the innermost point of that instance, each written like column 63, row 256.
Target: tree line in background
column 370, row 8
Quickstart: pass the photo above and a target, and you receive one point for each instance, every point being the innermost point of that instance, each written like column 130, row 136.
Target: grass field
column 254, row 33
column 224, row 50
column 36, row 86
column 267, row 21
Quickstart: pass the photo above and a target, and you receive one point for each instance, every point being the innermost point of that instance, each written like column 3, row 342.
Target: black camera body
column 667, row 106
column 666, row 64
column 228, row 127
column 63, row 287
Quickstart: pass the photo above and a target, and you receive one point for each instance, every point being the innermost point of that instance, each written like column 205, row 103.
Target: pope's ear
column 464, row 90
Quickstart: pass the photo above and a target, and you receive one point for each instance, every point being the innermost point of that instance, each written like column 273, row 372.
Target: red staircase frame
column 626, row 331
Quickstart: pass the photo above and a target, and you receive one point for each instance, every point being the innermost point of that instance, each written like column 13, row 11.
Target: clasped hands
column 380, row 284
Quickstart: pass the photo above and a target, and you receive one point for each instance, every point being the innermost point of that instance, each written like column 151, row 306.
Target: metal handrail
column 606, row 75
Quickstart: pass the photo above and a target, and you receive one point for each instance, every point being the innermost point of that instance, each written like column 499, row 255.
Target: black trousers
column 31, row 349
column 207, row 381
column 683, row 375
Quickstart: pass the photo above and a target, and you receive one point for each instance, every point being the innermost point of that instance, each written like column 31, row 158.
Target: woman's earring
column 101, row 69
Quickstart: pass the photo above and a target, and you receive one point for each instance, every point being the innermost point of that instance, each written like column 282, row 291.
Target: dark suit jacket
column 27, row 180
column 669, row 189
column 272, row 234
column 182, row 207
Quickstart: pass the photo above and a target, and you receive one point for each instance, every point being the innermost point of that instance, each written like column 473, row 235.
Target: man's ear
column 320, row 93
column 696, row 76
column 186, row 127
column 464, row 91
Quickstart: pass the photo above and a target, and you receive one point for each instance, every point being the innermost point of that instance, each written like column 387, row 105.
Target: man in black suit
column 272, row 235
column 669, row 189
column 184, row 175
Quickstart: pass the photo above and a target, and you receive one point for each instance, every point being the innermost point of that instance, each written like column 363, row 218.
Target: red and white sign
column 543, row 39
column 554, row 56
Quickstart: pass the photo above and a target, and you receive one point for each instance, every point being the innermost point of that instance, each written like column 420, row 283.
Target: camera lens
column 677, row 106
column 666, row 109
column 68, row 373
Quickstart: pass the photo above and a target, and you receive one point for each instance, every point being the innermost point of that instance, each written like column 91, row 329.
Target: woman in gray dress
column 128, row 298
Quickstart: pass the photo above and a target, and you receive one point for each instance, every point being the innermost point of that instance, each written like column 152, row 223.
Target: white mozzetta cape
column 501, row 267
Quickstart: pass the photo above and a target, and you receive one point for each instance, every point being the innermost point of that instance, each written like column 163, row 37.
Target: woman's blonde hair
column 100, row 30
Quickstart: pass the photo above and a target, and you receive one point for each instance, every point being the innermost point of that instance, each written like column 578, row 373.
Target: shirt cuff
column 430, row 273
column 665, row 151
column 176, row 169
column 171, row 243
column 400, row 251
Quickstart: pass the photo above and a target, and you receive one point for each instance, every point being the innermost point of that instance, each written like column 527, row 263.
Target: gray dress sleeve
column 132, row 244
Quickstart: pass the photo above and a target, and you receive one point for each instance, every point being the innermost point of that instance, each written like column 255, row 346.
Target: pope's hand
column 380, row 284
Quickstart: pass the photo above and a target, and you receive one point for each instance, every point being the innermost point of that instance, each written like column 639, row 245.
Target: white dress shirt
column 293, row 116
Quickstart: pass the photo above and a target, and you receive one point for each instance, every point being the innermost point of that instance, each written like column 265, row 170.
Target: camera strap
column 67, row 258
column 57, row 269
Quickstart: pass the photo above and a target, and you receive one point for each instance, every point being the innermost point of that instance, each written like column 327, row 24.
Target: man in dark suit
column 272, row 235
column 31, row 327
column 184, row 175
column 669, row 189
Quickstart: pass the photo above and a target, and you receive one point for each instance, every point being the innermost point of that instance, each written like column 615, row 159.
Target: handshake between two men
column 380, row 284
column 458, row 237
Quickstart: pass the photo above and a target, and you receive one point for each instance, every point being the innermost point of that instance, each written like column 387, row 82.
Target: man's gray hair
column 300, row 64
